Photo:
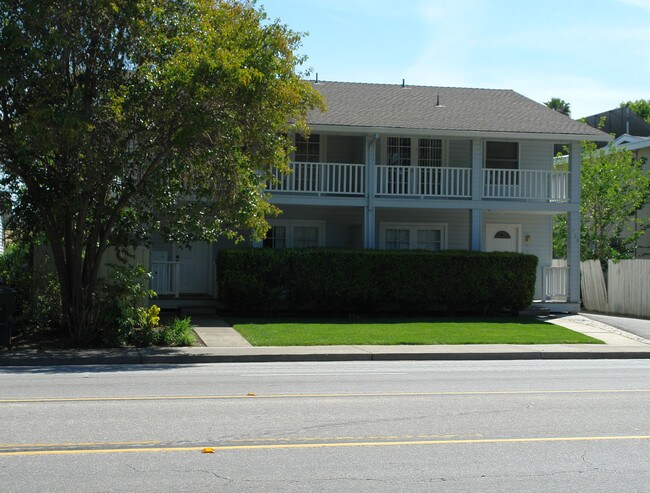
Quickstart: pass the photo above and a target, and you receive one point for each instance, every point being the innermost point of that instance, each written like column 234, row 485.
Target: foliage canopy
column 614, row 187
column 121, row 117
column 559, row 105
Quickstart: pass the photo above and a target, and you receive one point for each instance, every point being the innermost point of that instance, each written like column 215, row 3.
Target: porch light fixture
column 527, row 240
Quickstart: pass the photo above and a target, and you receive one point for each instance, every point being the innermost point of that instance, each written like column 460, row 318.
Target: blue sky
column 591, row 53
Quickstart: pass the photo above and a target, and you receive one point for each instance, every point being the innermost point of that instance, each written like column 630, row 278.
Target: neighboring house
column 619, row 121
column 405, row 167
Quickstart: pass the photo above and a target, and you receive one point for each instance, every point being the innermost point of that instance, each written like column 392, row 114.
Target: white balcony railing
column 322, row 178
column 556, row 283
column 550, row 186
column 424, row 181
column 165, row 279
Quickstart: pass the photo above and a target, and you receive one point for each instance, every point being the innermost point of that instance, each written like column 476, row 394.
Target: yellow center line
column 325, row 395
column 73, row 444
column 225, row 448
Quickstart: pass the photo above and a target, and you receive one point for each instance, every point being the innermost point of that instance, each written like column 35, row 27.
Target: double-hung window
column 501, row 155
column 430, row 152
column 295, row 234
column 407, row 151
column 503, row 159
column 398, row 150
column 400, row 236
column 307, row 149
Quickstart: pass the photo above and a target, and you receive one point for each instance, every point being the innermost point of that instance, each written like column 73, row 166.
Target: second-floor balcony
column 423, row 182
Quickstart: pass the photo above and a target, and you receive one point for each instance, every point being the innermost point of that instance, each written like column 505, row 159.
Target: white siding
column 460, row 153
column 343, row 225
column 345, row 149
column 536, row 155
column 457, row 222
column 539, row 228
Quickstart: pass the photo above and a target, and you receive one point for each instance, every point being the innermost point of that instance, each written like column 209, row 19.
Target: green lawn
column 324, row 332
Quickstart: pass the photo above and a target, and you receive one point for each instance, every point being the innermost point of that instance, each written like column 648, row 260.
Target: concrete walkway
column 215, row 332
column 224, row 344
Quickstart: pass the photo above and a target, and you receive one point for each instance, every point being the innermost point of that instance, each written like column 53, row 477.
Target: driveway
column 637, row 326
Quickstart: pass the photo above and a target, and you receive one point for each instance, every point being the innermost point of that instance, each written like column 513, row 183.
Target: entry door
column 502, row 237
column 194, row 268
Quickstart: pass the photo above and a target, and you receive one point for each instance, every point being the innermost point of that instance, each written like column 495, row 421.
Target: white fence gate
column 626, row 292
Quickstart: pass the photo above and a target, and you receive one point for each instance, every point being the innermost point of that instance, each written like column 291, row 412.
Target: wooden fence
column 625, row 290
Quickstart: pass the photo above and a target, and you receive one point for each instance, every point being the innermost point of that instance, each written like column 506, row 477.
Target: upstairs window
column 407, row 151
column 502, row 155
column 430, row 152
column 307, row 150
column 399, row 151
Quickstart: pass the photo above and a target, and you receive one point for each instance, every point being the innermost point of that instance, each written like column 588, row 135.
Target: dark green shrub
column 38, row 296
column 370, row 280
column 178, row 333
column 120, row 305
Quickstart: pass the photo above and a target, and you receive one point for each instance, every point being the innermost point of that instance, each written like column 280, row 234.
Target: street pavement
column 416, row 426
column 637, row 326
column 224, row 344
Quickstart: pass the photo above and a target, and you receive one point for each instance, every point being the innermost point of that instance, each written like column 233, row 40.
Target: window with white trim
column 416, row 151
column 430, row 152
column 399, row 151
column 501, row 155
column 422, row 236
column 295, row 234
column 276, row 237
column 307, row 149
column 397, row 239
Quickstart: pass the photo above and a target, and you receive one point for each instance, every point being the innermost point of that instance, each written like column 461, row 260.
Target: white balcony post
column 575, row 164
column 371, row 190
column 476, row 214
column 573, row 255
column 476, row 232
column 573, row 223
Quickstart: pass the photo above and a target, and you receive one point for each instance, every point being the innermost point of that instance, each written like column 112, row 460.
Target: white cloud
column 644, row 4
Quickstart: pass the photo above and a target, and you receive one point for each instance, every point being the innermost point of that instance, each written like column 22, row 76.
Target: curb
column 170, row 357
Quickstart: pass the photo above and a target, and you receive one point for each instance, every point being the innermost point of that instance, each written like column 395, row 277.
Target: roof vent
column 438, row 105
column 403, row 82
column 317, row 78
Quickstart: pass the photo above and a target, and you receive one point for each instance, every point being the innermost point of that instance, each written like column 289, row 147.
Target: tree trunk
column 78, row 284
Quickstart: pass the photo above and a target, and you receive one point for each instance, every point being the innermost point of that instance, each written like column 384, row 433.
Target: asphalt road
column 352, row 426
column 638, row 326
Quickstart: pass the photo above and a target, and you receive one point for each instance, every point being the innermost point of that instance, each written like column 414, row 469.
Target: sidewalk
column 224, row 344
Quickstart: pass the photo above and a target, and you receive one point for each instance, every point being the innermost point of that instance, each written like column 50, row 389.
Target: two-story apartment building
column 405, row 167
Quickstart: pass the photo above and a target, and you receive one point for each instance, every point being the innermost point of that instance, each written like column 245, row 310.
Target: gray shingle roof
column 463, row 110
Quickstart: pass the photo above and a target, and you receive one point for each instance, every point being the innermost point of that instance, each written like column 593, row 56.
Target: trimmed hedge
column 373, row 280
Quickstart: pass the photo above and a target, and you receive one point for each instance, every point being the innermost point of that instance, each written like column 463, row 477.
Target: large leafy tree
column 559, row 105
column 641, row 108
column 614, row 187
column 118, row 117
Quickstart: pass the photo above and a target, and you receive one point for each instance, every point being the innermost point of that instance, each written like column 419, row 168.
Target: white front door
column 194, row 268
column 502, row 237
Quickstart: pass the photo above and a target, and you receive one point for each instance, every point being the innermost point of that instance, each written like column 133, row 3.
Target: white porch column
column 575, row 164
column 573, row 255
column 573, row 224
column 476, row 240
column 369, row 208
column 477, row 169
